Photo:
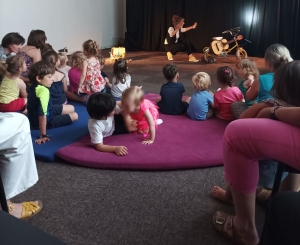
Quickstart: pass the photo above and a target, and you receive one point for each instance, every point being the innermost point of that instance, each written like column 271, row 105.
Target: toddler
column 42, row 114
column 247, row 70
column 105, row 120
column 91, row 80
column 63, row 67
column 59, row 85
column 121, row 79
column 227, row 94
column 201, row 100
column 11, row 86
column 170, row 100
column 143, row 111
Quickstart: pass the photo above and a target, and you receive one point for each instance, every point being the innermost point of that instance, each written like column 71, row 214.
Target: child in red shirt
column 227, row 93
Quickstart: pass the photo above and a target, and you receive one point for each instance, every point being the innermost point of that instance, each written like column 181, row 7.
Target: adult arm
column 254, row 110
column 289, row 115
column 190, row 27
column 252, row 92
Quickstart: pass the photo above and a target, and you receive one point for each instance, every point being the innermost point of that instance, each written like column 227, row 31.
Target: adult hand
column 195, row 25
column 42, row 140
column 132, row 125
column 121, row 150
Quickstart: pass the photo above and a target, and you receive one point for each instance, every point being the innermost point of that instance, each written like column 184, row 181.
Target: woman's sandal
column 29, row 209
column 227, row 230
column 263, row 196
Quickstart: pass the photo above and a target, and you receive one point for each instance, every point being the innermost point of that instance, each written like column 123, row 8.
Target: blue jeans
column 267, row 172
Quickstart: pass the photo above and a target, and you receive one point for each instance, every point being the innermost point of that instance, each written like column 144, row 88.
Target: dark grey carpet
column 93, row 206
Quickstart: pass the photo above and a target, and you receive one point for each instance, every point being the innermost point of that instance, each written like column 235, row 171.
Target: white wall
column 67, row 23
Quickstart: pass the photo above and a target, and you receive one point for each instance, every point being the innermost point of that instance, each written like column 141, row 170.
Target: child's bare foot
column 220, row 194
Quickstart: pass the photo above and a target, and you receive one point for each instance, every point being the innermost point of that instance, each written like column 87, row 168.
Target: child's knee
column 74, row 116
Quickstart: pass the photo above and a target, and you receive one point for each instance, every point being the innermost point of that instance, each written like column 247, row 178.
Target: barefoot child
column 202, row 101
column 42, row 114
column 11, row 86
column 143, row 111
column 105, row 120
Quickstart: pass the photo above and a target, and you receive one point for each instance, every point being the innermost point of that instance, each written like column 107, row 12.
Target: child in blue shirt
column 170, row 101
column 201, row 102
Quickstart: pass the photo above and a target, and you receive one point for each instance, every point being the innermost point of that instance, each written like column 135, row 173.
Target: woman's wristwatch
column 272, row 113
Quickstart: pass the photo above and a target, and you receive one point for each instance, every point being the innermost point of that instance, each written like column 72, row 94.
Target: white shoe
column 159, row 121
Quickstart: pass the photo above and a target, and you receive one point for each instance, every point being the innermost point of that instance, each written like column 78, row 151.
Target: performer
column 174, row 43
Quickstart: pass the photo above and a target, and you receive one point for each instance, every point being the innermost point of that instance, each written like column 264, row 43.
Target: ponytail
column 92, row 48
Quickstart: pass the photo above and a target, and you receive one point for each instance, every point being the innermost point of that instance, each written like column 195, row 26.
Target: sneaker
column 159, row 121
column 170, row 57
column 193, row 59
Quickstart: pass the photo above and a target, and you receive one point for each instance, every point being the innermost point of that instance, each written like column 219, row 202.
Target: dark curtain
column 263, row 22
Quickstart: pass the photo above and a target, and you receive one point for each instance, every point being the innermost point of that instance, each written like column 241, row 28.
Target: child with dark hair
column 32, row 50
column 105, row 120
column 11, row 86
column 227, row 93
column 11, row 43
column 121, row 79
column 42, row 114
column 59, row 86
column 170, row 100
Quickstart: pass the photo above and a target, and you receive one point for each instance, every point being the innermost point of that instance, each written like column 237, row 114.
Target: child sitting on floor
column 227, row 93
column 143, row 111
column 247, row 70
column 74, row 74
column 63, row 67
column 170, row 100
column 103, row 74
column 91, row 80
column 59, row 85
column 201, row 100
column 121, row 79
column 42, row 114
column 105, row 120
column 11, row 86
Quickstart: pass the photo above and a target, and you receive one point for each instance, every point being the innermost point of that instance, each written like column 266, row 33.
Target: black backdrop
column 263, row 22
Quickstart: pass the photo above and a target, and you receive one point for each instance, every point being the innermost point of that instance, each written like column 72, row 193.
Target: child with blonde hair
column 143, row 111
column 227, row 94
column 202, row 100
column 63, row 67
column 74, row 74
column 247, row 70
column 91, row 80
column 11, row 86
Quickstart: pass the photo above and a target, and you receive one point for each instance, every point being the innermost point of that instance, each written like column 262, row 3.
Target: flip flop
column 227, row 230
column 29, row 209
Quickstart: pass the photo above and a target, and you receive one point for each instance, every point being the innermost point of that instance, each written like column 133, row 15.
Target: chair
column 280, row 169
column 3, row 201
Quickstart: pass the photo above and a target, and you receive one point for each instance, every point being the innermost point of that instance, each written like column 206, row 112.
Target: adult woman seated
column 174, row 42
column 32, row 50
column 11, row 43
column 248, row 140
column 17, row 163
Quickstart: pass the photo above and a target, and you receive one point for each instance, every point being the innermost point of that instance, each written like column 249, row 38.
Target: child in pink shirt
column 227, row 93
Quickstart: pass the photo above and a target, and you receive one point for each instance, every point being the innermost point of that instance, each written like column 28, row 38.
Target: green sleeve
column 44, row 95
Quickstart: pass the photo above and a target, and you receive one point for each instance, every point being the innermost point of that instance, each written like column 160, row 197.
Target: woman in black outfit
column 174, row 43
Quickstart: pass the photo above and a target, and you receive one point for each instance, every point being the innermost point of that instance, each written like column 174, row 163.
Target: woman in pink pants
column 248, row 140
